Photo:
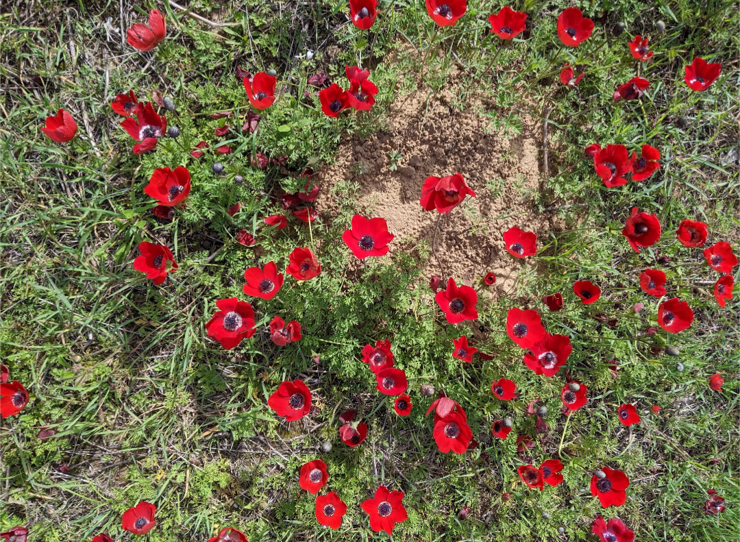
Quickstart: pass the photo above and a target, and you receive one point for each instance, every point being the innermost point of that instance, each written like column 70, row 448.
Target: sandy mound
column 503, row 172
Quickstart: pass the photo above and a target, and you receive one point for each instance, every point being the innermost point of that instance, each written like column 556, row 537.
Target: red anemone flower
column 233, row 322
column 169, row 188
column 245, row 238
column 532, row 476
column 279, row 221
column 4, row 373
column 692, row 233
column 652, row 281
column 524, row 327
column 720, row 257
column 378, row 358
column 550, row 470
column 125, row 104
column 139, row 519
column 443, row 406
column 368, row 237
column 333, row 100
column 628, row 414
column 675, row 315
column 292, row 400
column 647, row 164
column 452, row 433
column 303, row 264
column 587, row 291
column 723, row 289
column 631, row 90
column 716, row 381
column 13, row 398
column 444, row 193
column 146, row 38
column 715, row 504
column 568, row 77
column 612, row 163
column 446, row 12
column 549, row 354
column 147, row 128
column 385, row 510
column 462, row 350
column 489, row 279
column 19, row 534
column 354, row 73
column 507, row 23
column 264, row 283
column 260, row 89
column 458, row 304
column 504, row 389
column 700, row 75
column 102, row 537
column 639, row 48
column 330, row 509
column 573, row 395
column 402, row 405
column 153, row 261
column 641, row 229
column 500, row 430
column 353, row 436
column 391, row 381
column 591, row 150
column 611, row 489
column 282, row 334
column 60, row 127
column 612, row 531
column 229, row 534
column 361, row 95
column 520, row 243
column 313, row 476
column 363, row 13
column 554, row 302
column 573, row 27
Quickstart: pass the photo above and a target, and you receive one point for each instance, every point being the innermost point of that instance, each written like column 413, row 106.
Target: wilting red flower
column 385, row 510
column 611, row 489
column 146, row 38
column 330, row 509
column 434, row 283
column 243, row 237
column 292, row 400
column 444, row 193
column 462, row 350
column 500, row 430
column 289, row 201
column 229, row 534
column 310, row 196
column 524, row 327
column 260, row 160
column 641, row 229
column 153, row 261
column 628, row 414
column 363, row 12
column 260, row 89
column 391, row 381
column 700, row 75
column 573, row 27
column 612, row 531
column 550, row 470
column 282, row 334
column 446, row 12
column 102, row 537
column 169, row 188
column 264, row 283
column 279, row 221
column 489, row 279
column 723, row 289
column 591, row 150
column 333, row 100
column 716, row 381
column 378, row 358
column 368, row 237
column 353, row 436
column 675, row 315
column 646, row 165
column 124, row 104
column 402, row 405
column 504, row 389
column 231, row 211
column 549, row 354
column 656, row 409
column 307, row 214
column 313, row 476
column 520, row 243
column 223, row 149
column 631, row 90
column 147, row 128
column 361, row 94
column 715, row 504
column 720, row 257
column 452, row 433
column 554, row 302
column 198, row 153
column 523, row 443
column 639, row 48
column 507, row 23
column 233, row 322
column 532, row 476
column 692, row 233
column 458, row 304
column 139, row 519
column 652, row 281
column 253, row 120
column 587, row 291
column 223, row 130
column 60, row 127
column 303, row 264
column 567, row 76
column 573, row 395
column 4, row 373
column 612, row 163
column 165, row 213
column 19, row 534
column 13, row 398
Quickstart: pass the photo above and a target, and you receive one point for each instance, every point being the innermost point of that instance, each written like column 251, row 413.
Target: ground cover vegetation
column 200, row 339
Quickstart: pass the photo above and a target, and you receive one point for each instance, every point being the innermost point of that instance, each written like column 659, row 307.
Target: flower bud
column 660, row 26
column 427, row 390
column 169, row 104
column 173, row 131
column 238, row 179
column 574, row 386
column 217, row 167
column 542, row 411
column 508, row 423
column 600, row 474
column 679, row 367
column 672, row 351
column 272, row 73
column 326, row 447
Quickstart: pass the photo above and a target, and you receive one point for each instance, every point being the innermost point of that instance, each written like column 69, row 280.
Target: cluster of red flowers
column 13, row 396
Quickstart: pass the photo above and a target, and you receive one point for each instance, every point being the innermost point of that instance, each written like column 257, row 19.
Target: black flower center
column 612, row 167
column 19, row 399
column 457, row 306
column 384, row 509
column 695, row 237
column 377, row 359
column 452, row 430
column 520, row 330
column 388, row 383
column 531, row 475
column 335, row 106
column 402, row 404
column 305, row 266
column 232, row 321
column 633, row 91
column 642, row 50
column 640, row 164
column 140, row 522
column 496, row 427
column 261, row 96
column 148, row 131
column 610, row 536
column 128, row 106
column 720, row 289
column 641, row 228
column 668, row 317
column 716, row 259
column 517, row 247
column 624, row 414
column 507, row 30
column 546, row 472
column 355, row 439
column 700, row 79
column 569, row 397
column 158, row 260
column 498, row 390
column 571, row 32
column 364, row 13
column 586, row 294
column 296, row 401
column 329, row 510
column 174, row 191
column 266, row 286
column 315, row 476
column 462, row 352
column 604, row 485
column 367, row 243
column 548, row 359
column 444, row 10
